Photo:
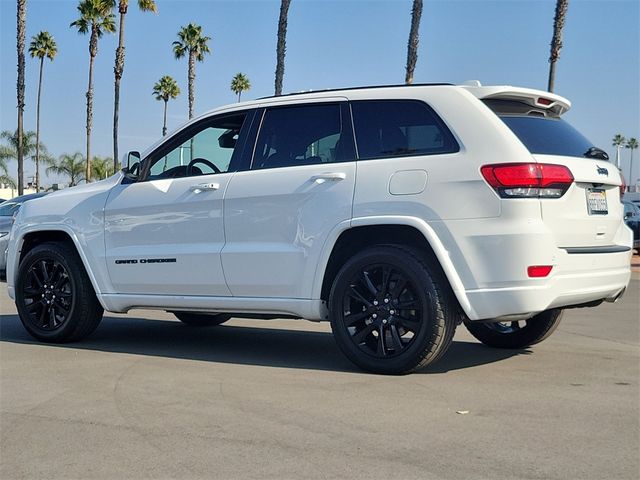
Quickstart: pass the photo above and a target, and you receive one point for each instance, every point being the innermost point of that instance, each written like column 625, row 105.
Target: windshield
column 7, row 209
column 548, row 136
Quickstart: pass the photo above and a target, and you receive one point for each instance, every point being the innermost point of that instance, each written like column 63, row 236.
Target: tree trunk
column 192, row 78
column 282, row 45
column 92, row 49
column 556, row 41
column 118, row 70
column 630, row 182
column 412, row 46
column 20, row 39
column 38, row 127
column 239, row 95
column 164, row 123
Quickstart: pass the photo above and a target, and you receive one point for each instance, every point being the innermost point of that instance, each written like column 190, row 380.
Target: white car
column 395, row 213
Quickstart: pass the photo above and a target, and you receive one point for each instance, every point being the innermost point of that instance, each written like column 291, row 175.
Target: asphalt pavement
column 148, row 397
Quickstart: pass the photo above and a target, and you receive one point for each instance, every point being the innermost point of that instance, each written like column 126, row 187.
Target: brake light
column 528, row 180
column 544, row 101
column 539, row 271
column 623, row 185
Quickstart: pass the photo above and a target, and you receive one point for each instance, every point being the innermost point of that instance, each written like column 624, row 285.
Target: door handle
column 333, row 176
column 204, row 187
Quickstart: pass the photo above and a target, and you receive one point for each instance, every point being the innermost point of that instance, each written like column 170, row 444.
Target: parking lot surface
column 148, row 397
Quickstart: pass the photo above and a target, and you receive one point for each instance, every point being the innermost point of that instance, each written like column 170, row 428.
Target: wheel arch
column 368, row 231
column 29, row 239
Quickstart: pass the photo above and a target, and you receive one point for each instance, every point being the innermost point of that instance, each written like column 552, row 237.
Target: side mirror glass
column 133, row 160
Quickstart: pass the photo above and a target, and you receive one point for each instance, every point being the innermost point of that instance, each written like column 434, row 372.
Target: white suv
column 395, row 213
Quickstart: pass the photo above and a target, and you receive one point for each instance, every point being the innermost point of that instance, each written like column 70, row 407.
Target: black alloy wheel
column 391, row 310
column 382, row 310
column 54, row 296
column 47, row 294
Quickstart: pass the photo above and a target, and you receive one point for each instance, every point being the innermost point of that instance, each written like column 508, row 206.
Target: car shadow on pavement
column 238, row 345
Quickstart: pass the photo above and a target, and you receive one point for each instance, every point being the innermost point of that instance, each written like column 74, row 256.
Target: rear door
column 280, row 212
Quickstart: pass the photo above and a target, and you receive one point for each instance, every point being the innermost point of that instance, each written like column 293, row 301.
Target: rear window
column 548, row 136
column 399, row 128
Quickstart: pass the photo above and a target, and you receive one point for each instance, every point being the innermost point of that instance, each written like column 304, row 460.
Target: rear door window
column 303, row 135
column 399, row 128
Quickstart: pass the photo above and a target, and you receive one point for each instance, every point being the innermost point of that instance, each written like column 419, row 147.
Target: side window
column 302, row 135
column 396, row 128
column 205, row 149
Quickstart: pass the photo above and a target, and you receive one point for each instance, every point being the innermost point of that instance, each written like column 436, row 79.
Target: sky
column 330, row 44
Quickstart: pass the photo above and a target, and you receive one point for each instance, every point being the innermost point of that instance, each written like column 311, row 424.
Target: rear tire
column 201, row 319
column 391, row 311
column 514, row 335
column 54, row 296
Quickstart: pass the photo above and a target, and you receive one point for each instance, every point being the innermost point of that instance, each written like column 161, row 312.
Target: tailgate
column 590, row 213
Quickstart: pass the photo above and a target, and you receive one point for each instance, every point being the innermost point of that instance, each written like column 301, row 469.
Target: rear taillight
column 623, row 185
column 528, row 180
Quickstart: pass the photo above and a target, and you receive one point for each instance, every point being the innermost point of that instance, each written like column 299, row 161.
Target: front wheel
column 517, row 334
column 201, row 319
column 54, row 296
column 391, row 312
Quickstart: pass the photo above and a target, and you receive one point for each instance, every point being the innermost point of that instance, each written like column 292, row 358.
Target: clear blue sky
column 329, row 44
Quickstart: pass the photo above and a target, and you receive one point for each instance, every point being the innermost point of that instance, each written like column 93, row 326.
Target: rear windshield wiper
column 597, row 153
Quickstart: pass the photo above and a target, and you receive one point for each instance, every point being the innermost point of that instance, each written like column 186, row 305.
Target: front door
column 164, row 232
column 280, row 212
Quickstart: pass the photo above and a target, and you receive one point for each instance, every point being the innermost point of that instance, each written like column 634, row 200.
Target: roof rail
column 356, row 88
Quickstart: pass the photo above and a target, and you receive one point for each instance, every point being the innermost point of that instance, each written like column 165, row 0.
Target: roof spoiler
column 536, row 98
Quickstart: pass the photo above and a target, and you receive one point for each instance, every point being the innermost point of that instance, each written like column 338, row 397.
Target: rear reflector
column 539, row 271
column 528, row 180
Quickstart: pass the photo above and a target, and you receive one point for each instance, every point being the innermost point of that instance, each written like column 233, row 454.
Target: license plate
column 597, row 201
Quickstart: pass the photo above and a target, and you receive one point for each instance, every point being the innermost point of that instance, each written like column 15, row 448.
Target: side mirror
column 133, row 158
column 628, row 215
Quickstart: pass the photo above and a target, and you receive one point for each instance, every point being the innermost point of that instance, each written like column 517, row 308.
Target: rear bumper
column 565, row 287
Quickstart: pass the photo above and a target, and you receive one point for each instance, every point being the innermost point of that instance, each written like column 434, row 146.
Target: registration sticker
column 597, row 201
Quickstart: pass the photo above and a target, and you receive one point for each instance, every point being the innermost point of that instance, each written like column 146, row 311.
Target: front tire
column 201, row 319
column 391, row 312
column 54, row 296
column 516, row 335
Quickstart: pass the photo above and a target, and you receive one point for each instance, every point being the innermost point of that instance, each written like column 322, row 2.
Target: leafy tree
column 102, row 167
column 9, row 151
column 69, row 165
column 96, row 18
column 42, row 45
column 632, row 144
column 412, row 45
column 194, row 45
column 556, row 42
column 618, row 142
column 282, row 44
column 118, row 70
column 240, row 83
column 165, row 89
column 21, row 28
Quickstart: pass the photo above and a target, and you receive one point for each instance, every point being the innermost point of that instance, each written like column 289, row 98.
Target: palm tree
column 5, row 178
column 632, row 144
column 9, row 151
column 72, row 166
column 123, row 5
column 165, row 89
column 240, row 83
column 20, row 39
column 193, row 44
column 412, row 46
column 42, row 45
column 102, row 167
column 282, row 44
column 618, row 142
column 556, row 42
column 96, row 16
